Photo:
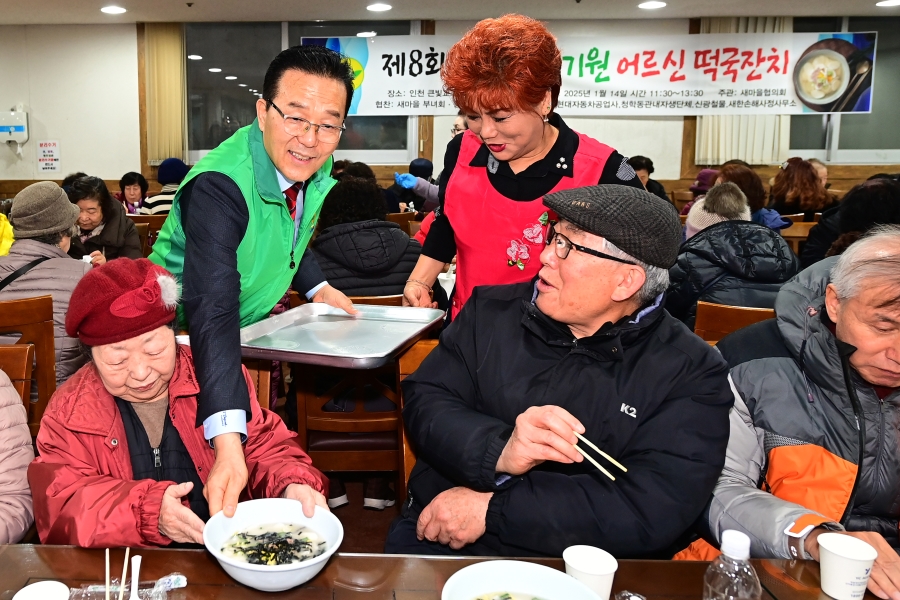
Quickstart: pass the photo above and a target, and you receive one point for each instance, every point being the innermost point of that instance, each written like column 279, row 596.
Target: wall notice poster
column 718, row 74
column 48, row 156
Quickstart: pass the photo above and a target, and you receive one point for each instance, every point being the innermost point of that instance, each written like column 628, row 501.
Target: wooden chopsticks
column 601, row 453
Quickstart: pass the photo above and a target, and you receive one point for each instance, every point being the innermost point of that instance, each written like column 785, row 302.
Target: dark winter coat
column 649, row 393
column 366, row 258
column 821, row 236
column 119, row 238
column 736, row 263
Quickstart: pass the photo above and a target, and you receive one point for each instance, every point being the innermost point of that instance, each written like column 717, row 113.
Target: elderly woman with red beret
column 121, row 460
column 505, row 75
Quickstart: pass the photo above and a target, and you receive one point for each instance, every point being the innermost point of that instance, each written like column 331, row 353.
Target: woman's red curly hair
column 503, row 64
column 798, row 183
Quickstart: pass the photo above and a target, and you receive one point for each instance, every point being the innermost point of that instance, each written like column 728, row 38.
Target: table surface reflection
column 370, row 576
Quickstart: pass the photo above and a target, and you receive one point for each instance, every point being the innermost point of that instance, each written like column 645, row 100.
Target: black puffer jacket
column 736, row 263
column 821, row 237
column 648, row 392
column 366, row 258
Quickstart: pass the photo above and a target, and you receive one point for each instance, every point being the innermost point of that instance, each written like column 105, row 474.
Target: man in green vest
column 237, row 239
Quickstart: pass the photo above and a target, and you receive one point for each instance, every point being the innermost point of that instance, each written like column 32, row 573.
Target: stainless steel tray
column 318, row 334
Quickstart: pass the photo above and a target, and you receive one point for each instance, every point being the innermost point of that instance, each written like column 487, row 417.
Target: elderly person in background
column 706, row 178
column 752, row 186
column 16, row 453
column 873, row 202
column 171, row 173
column 727, row 204
column 122, row 462
column 37, row 263
column 104, row 230
column 727, row 260
column 585, row 348
column 814, row 443
column 505, row 75
column 798, row 189
column 133, row 192
column 643, row 167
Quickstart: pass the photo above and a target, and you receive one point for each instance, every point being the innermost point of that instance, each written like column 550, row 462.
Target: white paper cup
column 593, row 567
column 845, row 563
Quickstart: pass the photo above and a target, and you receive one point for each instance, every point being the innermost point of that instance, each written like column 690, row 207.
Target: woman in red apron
column 505, row 75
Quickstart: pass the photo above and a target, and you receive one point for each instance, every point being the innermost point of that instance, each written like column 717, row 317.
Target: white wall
column 79, row 86
column 658, row 138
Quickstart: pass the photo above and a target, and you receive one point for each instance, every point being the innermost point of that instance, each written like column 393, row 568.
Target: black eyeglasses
column 564, row 245
column 296, row 126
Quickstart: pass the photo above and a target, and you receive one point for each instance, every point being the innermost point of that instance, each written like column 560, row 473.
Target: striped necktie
column 291, row 196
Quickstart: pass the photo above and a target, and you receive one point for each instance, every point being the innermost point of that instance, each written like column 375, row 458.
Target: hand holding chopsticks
column 542, row 433
column 601, row 453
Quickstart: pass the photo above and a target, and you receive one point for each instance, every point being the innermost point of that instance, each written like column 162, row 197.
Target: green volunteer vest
column 264, row 254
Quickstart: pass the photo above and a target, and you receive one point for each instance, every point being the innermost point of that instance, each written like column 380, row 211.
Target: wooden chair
column 17, row 360
column 261, row 375
column 33, row 319
column 683, row 219
column 403, row 219
column 406, row 366
column 155, row 223
column 143, row 230
column 715, row 321
column 414, row 227
column 797, row 233
column 681, row 198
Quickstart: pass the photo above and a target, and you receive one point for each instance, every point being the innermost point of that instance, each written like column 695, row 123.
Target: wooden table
column 797, row 233
column 366, row 576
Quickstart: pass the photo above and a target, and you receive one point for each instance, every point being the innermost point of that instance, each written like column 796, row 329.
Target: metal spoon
column 861, row 70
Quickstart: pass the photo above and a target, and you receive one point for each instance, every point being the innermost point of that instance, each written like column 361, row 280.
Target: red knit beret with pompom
column 120, row 300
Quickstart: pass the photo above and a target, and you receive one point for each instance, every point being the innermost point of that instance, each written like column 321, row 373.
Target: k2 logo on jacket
column 628, row 410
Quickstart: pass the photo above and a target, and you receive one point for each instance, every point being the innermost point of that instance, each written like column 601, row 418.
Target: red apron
column 499, row 240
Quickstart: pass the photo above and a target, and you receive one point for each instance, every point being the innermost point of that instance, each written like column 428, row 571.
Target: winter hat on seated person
column 119, row 300
column 637, row 222
column 723, row 202
column 172, row 170
column 42, row 209
column 706, row 178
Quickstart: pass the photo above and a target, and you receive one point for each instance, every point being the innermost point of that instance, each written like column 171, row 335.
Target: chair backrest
column 715, row 321
column 143, row 230
column 33, row 319
column 406, row 366
column 16, row 360
column 680, row 198
column 154, row 223
column 395, row 300
column 401, row 219
column 797, row 233
column 414, row 227
column 795, row 218
column 683, row 219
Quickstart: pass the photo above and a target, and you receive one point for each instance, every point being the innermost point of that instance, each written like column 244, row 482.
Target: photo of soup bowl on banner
column 835, row 75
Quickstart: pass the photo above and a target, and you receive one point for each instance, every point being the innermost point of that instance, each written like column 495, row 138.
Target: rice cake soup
column 821, row 76
column 506, row 596
column 274, row 544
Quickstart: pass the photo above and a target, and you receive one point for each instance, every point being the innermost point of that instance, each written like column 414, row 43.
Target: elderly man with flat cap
column 587, row 349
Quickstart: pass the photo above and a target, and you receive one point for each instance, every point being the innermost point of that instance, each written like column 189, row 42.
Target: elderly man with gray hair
column 814, row 444
column 586, row 348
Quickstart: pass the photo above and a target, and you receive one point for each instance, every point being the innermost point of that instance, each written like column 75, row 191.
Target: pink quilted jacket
column 16, row 453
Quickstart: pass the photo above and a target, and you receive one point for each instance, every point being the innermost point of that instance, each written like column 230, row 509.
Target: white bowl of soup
column 270, row 545
column 517, row 580
column 821, row 77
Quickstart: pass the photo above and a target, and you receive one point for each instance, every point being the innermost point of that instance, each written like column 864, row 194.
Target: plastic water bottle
column 730, row 576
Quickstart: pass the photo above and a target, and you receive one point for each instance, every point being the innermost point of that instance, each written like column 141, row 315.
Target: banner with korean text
column 718, row 74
